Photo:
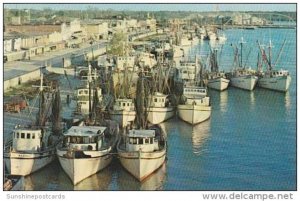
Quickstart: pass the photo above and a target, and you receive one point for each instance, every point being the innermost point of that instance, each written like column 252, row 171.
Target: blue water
column 249, row 143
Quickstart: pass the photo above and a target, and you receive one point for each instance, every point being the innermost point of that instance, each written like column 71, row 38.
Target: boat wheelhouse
column 83, row 98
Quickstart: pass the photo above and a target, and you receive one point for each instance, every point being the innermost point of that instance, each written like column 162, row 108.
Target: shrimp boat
column 241, row 77
column 85, row 150
column 216, row 79
column 160, row 109
column 143, row 150
column 123, row 111
column 194, row 106
column 33, row 146
column 278, row 80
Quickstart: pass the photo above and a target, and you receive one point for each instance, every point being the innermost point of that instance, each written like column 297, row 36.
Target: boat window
column 140, row 141
column 130, row 141
column 28, row 136
column 18, row 135
column 23, row 135
column 147, row 141
column 127, row 104
column 151, row 140
column 86, row 91
column 33, row 135
column 155, row 100
column 87, row 140
column 124, row 104
column 134, row 141
column 76, row 140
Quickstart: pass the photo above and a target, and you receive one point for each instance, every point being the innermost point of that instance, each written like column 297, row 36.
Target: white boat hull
column 244, row 82
column 194, row 114
column 123, row 117
column 27, row 163
column 79, row 169
column 142, row 164
column 275, row 83
column 218, row 83
column 158, row 115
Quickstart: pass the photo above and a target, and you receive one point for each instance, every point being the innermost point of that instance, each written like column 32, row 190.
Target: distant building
column 7, row 45
column 68, row 30
column 97, row 31
column 16, row 20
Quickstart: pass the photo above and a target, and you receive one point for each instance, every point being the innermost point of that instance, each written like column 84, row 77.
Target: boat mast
column 270, row 55
column 90, row 91
column 241, row 43
column 56, row 109
column 40, row 120
column 140, row 102
column 280, row 52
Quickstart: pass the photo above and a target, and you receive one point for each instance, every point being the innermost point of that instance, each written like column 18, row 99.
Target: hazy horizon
column 291, row 7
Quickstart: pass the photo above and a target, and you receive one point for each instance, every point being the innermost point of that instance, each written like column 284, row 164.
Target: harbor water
column 249, row 143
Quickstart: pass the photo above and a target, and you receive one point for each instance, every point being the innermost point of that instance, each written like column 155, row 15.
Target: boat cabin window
column 140, row 140
column 18, row 135
column 22, row 135
column 76, row 140
column 87, row 140
column 155, row 100
column 147, row 141
column 28, row 136
column 124, row 104
column 33, row 135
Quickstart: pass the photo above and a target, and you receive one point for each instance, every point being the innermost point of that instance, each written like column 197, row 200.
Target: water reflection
column 252, row 99
column 154, row 182
column 99, row 181
column 200, row 134
column 223, row 101
column 53, row 177
column 287, row 100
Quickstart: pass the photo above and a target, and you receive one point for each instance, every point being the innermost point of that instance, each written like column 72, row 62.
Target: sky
column 160, row 7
